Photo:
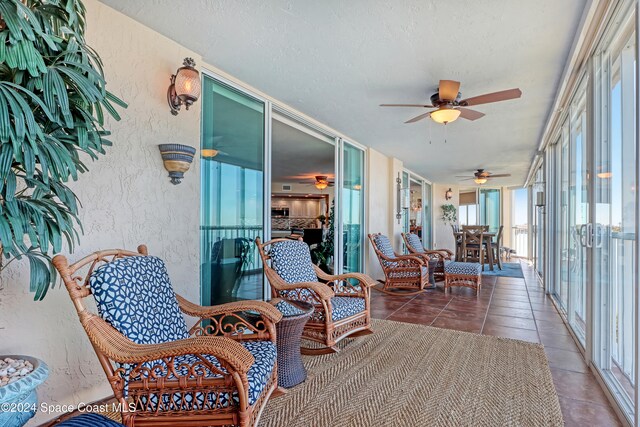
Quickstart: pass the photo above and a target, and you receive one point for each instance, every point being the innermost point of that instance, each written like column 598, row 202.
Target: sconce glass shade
column 321, row 185
column 445, row 115
column 185, row 86
column 480, row 180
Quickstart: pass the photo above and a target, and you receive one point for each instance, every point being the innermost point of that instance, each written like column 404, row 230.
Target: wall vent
column 286, row 187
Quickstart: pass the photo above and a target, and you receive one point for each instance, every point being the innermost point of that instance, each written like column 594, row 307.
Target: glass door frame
column 601, row 73
column 271, row 106
column 426, row 198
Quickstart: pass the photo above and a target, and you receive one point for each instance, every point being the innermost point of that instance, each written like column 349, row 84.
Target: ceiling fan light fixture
column 480, row 180
column 321, row 185
column 445, row 115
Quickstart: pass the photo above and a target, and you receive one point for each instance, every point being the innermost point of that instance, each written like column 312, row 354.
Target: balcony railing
column 520, row 240
column 622, row 276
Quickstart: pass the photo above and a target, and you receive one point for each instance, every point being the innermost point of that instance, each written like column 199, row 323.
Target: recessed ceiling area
column 297, row 156
column 336, row 61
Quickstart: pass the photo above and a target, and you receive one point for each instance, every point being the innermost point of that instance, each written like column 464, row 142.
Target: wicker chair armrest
column 446, row 252
column 343, row 287
column 119, row 348
column 265, row 309
column 322, row 290
column 411, row 259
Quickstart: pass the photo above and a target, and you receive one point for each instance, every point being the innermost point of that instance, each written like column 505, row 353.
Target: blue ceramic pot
column 18, row 400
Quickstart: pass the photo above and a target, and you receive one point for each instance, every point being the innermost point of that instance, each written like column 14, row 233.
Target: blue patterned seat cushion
column 343, row 307
column 384, row 245
column 89, row 420
column 134, row 294
column 464, row 268
column 414, row 242
column 258, row 375
column 288, row 310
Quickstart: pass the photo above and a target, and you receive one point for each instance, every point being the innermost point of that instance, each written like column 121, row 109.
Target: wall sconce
column 398, row 198
column 176, row 158
column 448, row 195
column 184, row 87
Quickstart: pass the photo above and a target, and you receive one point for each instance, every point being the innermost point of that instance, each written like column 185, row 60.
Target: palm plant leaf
column 53, row 100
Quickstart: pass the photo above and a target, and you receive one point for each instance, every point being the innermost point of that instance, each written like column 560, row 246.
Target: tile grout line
column 486, row 314
column 526, row 285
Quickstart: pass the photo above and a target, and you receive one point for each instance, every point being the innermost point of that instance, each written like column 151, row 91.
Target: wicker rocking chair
column 401, row 271
column 221, row 371
column 415, row 248
column 341, row 302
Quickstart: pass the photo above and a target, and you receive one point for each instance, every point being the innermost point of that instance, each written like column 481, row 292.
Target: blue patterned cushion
column 287, row 309
column 384, row 245
column 464, row 268
column 414, row 242
column 135, row 296
column 258, row 375
column 291, row 259
column 343, row 307
column 89, row 420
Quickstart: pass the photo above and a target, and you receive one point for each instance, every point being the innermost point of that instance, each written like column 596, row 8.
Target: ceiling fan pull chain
column 445, row 133
column 430, row 133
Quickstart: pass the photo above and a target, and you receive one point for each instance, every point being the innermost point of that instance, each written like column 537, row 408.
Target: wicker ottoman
column 468, row 274
column 291, row 371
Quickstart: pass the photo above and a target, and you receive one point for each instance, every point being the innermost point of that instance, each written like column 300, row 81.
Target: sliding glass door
column 352, row 208
column 232, row 194
column 614, row 236
column 577, row 218
column 490, row 208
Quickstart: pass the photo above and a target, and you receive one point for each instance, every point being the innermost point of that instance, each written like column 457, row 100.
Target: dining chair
column 473, row 245
column 495, row 247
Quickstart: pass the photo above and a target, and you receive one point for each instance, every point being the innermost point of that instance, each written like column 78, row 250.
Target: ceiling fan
column 481, row 176
column 449, row 106
column 321, row 182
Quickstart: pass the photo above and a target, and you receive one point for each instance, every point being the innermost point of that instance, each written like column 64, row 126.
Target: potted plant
column 53, row 102
column 449, row 213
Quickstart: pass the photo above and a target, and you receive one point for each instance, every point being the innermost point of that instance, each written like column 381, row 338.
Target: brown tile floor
column 512, row 308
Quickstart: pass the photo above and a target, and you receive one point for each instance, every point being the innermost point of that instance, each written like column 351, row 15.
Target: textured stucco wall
column 127, row 200
column 442, row 233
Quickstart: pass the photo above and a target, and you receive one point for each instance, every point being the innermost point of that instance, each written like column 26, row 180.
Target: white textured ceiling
column 336, row 60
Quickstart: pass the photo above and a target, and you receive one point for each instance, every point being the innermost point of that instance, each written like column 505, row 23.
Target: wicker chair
column 400, row 271
column 341, row 302
column 221, row 371
column 415, row 247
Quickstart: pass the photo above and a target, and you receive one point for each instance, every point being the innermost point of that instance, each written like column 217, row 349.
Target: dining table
column 489, row 236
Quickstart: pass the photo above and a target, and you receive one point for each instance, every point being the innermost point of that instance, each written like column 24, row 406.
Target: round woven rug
column 413, row 375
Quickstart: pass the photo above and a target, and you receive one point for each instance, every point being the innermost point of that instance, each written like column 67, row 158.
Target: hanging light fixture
column 445, row 115
column 480, row 180
column 321, row 185
column 184, row 87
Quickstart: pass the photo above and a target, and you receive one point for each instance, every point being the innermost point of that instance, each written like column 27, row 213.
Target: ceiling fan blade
column 467, row 179
column 448, row 90
column 500, row 175
column 463, row 176
column 407, row 105
column 418, row 118
column 492, row 97
column 468, row 114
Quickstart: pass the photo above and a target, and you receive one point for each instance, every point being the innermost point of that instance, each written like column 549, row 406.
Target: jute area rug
column 413, row 375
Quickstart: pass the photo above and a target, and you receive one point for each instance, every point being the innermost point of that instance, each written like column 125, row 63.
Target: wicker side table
column 291, row 371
